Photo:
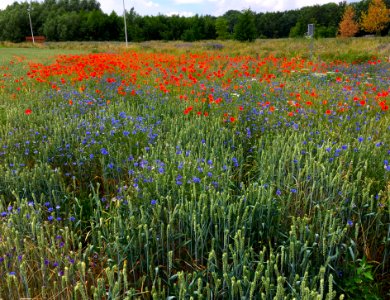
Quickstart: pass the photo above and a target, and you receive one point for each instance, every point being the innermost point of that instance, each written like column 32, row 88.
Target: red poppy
column 28, row 111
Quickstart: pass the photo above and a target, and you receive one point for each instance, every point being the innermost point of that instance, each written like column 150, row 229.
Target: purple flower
column 178, row 179
column 350, row 223
column 235, row 161
column 153, row 202
column 104, row 151
column 195, row 179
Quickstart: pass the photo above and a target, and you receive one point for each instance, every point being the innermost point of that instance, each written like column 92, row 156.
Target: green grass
column 34, row 54
column 186, row 171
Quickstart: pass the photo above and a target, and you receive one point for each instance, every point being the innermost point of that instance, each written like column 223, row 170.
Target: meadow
column 208, row 170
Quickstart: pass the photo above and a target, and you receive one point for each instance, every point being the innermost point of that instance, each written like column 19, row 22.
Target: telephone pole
column 29, row 17
column 124, row 20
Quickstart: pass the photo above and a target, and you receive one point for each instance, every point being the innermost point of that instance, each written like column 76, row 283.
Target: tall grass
column 194, row 174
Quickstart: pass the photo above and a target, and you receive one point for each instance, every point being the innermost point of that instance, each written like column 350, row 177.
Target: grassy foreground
column 195, row 171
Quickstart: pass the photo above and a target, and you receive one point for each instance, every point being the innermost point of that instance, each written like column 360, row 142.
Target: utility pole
column 29, row 17
column 124, row 19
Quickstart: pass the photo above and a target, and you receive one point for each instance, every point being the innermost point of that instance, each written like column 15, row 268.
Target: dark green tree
column 221, row 28
column 14, row 23
column 232, row 18
column 245, row 29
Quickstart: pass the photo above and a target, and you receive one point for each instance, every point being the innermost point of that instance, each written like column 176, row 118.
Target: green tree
column 245, row 29
column 221, row 28
column 232, row 18
column 50, row 27
column 14, row 23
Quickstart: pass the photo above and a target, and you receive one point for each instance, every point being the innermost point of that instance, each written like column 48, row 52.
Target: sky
column 191, row 7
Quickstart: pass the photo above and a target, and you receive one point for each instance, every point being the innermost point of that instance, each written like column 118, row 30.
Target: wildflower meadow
column 193, row 174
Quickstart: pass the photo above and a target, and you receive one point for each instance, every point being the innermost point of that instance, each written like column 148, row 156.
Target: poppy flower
column 28, row 111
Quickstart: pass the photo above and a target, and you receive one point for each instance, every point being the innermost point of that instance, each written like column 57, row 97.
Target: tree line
column 83, row 20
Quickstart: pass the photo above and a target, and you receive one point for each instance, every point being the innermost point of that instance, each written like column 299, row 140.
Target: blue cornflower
column 178, row 179
column 294, row 191
column 104, row 151
column 153, row 202
column 195, row 179
column 235, row 161
column 350, row 223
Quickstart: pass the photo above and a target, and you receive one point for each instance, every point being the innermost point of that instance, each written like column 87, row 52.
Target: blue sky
column 201, row 7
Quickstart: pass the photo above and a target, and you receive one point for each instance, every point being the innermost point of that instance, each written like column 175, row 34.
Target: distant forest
column 83, row 20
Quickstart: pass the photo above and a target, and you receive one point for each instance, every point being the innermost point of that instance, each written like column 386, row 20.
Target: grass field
column 209, row 170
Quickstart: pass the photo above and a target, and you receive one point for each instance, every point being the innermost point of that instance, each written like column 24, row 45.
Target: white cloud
column 180, row 13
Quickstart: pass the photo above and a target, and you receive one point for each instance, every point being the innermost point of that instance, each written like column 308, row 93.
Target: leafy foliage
column 376, row 18
column 348, row 27
column 245, row 29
